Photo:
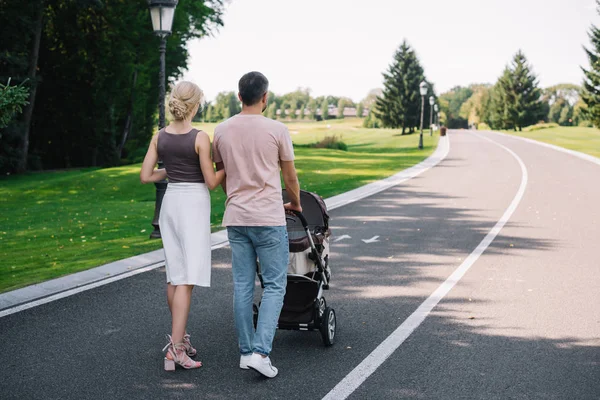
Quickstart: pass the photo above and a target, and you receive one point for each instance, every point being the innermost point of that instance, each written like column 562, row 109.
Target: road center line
column 370, row 364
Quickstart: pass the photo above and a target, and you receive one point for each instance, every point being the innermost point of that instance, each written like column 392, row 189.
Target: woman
column 185, row 213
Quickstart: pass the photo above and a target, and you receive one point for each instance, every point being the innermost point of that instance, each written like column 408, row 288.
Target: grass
column 585, row 140
column 57, row 223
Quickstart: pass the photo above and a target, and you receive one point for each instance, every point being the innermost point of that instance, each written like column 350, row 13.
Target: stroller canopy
column 315, row 212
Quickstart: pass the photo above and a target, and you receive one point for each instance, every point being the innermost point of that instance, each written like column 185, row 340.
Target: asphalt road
column 522, row 323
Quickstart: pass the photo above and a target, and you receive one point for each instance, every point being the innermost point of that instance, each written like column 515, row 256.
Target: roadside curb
column 45, row 292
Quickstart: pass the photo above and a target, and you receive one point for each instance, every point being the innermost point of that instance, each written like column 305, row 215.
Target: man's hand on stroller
column 290, row 207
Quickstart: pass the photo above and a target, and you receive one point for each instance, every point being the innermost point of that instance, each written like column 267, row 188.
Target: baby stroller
column 304, row 306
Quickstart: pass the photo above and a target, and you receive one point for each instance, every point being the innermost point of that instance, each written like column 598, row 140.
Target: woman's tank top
column 178, row 153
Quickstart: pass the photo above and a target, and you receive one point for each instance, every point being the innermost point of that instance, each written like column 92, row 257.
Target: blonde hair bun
column 184, row 97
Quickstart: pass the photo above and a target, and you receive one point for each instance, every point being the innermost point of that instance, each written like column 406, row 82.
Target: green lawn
column 57, row 223
column 585, row 140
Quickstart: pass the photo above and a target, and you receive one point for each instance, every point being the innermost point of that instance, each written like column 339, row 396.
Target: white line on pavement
column 359, row 374
column 73, row 291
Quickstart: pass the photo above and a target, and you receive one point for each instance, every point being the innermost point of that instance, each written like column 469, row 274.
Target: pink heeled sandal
column 189, row 349
column 176, row 355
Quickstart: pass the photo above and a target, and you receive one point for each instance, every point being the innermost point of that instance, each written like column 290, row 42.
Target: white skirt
column 185, row 229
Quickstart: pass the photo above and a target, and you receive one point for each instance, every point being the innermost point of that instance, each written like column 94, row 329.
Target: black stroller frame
column 304, row 306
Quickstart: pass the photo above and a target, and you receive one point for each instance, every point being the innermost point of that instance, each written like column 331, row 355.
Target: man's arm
column 292, row 186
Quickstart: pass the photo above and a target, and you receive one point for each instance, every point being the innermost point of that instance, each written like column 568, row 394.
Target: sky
column 341, row 47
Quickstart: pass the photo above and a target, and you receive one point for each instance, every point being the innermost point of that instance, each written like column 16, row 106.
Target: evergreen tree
column 591, row 84
column 400, row 102
column 359, row 110
column 517, row 96
column 324, row 109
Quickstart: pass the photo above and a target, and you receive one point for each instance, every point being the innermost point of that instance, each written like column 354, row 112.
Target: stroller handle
column 301, row 217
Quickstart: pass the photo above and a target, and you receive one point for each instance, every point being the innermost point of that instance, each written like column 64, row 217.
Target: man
column 253, row 149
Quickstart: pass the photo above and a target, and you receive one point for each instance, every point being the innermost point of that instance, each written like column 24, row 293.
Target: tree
column 340, row 108
column 227, row 105
column 302, row 111
column 359, row 110
column 451, row 103
column 292, row 113
column 371, row 97
column 272, row 111
column 399, row 104
column 90, row 66
column 517, row 101
column 566, row 116
column 591, row 83
column 209, row 114
column 12, row 100
column 476, row 108
column 324, row 109
column 312, row 109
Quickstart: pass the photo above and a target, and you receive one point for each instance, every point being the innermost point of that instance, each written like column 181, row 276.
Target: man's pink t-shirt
column 251, row 147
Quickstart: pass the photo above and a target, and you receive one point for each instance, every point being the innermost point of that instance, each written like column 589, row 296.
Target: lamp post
column 161, row 13
column 423, row 90
column 437, row 115
column 431, row 101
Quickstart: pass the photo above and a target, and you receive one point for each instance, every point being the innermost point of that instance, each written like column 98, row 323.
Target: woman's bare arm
column 148, row 173
column 211, row 178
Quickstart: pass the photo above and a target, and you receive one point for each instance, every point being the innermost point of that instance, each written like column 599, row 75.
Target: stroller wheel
column 322, row 306
column 255, row 315
column 328, row 326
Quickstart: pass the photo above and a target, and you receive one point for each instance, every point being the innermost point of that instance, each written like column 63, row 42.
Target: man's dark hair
column 252, row 87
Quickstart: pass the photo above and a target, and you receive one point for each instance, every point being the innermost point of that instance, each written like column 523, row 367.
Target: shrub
column 482, row 126
column 539, row 126
column 586, row 124
column 331, row 142
column 328, row 142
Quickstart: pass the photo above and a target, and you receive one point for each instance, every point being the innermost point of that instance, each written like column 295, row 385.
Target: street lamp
column 161, row 13
column 437, row 116
column 423, row 90
column 431, row 101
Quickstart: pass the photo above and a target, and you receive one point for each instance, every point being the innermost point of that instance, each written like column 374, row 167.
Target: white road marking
column 372, row 240
column 342, row 238
column 370, row 364
column 76, row 290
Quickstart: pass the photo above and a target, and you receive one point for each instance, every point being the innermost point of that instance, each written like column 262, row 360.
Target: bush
column 482, row 126
column 539, row 126
column 331, row 142
column 371, row 121
column 328, row 142
column 586, row 124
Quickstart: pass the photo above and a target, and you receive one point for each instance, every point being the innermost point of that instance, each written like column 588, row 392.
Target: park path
column 523, row 321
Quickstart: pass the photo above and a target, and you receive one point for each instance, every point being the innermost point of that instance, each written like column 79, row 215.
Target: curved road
column 521, row 321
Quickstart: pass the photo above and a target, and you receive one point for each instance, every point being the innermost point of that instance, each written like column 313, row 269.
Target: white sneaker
column 263, row 365
column 244, row 360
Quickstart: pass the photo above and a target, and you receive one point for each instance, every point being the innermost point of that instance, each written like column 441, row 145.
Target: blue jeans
column 270, row 245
